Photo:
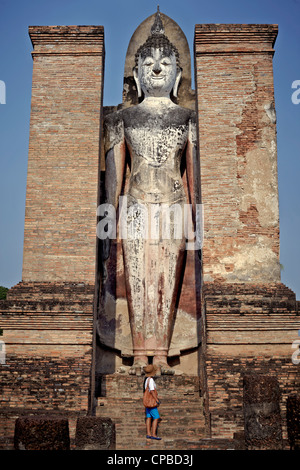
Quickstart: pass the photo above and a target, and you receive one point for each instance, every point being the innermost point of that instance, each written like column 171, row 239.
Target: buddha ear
column 177, row 81
column 137, row 81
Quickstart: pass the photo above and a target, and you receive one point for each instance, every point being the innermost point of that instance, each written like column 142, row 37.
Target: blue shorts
column 152, row 413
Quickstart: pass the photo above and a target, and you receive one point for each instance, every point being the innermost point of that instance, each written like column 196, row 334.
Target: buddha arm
column 114, row 173
column 191, row 169
column 193, row 175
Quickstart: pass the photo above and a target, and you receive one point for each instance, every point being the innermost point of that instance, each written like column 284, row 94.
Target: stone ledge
column 42, row 433
column 65, row 33
column 235, row 38
column 95, row 433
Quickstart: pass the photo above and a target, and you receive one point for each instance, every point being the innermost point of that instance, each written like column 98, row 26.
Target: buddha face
column 157, row 74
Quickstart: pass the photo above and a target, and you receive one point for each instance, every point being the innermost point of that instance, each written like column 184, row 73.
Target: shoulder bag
column 150, row 401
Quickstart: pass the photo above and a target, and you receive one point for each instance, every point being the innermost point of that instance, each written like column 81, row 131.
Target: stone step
column 181, row 442
column 50, row 291
column 131, row 387
column 46, row 320
column 164, row 429
column 46, row 325
column 247, row 308
column 252, row 314
column 138, row 401
column 131, row 409
column 254, row 323
column 284, row 325
column 181, row 410
column 72, row 314
column 137, row 421
column 133, row 434
column 216, row 316
column 43, row 305
column 249, row 299
column 268, row 290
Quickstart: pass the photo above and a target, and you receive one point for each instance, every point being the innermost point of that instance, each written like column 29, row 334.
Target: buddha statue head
column 157, row 69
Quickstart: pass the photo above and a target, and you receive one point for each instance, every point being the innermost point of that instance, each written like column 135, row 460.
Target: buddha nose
column 157, row 69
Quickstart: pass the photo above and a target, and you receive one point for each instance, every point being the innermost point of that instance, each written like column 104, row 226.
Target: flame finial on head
column 157, row 39
column 157, row 27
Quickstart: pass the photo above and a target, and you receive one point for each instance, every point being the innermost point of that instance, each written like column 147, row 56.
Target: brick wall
column 181, row 410
column 48, row 337
column 225, row 384
column 237, row 131
column 63, row 162
column 249, row 329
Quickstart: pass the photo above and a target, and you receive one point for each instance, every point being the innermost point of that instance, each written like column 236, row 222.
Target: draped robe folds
column 161, row 143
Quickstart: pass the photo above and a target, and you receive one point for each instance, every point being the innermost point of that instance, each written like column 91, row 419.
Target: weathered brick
column 64, row 146
column 240, row 340
column 42, row 433
column 237, row 131
column 95, row 433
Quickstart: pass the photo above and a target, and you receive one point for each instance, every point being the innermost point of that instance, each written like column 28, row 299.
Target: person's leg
column 148, row 426
column 154, row 427
column 156, row 417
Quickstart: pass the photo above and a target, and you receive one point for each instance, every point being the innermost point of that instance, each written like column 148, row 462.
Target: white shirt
column 151, row 383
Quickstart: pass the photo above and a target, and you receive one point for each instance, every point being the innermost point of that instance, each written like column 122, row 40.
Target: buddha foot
column 137, row 369
column 167, row 370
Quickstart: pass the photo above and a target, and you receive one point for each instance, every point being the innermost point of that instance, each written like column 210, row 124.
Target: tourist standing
column 152, row 413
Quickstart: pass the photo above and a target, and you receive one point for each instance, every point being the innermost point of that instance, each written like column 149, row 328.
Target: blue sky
column 120, row 18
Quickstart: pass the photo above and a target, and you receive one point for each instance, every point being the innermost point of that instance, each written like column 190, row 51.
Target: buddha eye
column 148, row 62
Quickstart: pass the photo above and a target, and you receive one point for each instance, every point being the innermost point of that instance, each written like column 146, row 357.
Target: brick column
column 237, row 128
column 63, row 163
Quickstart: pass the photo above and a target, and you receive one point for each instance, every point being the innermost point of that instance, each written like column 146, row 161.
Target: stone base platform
column 249, row 329
column 181, row 410
column 47, row 340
